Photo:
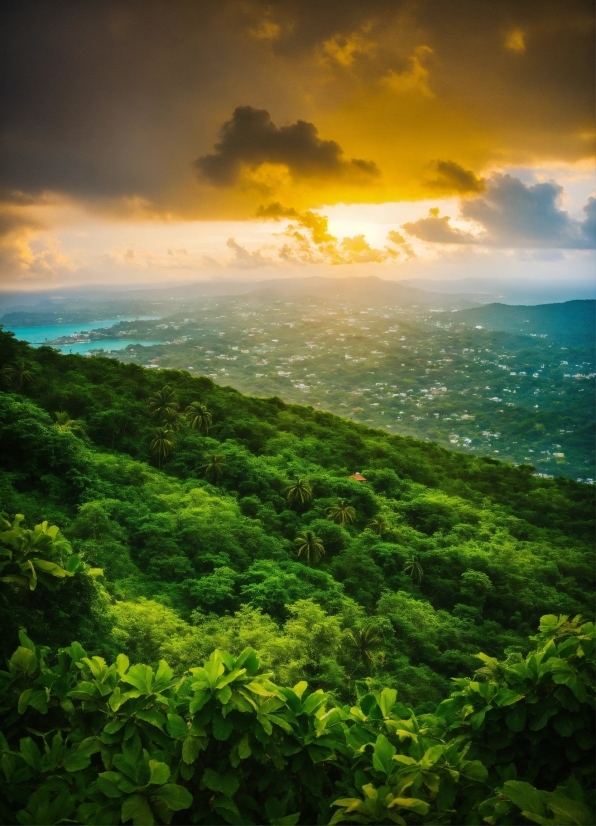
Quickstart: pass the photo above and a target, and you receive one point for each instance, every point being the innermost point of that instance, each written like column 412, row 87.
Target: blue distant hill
column 571, row 323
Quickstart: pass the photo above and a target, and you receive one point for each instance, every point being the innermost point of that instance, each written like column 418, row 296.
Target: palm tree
column 378, row 525
column 163, row 403
column 21, row 373
column 299, row 491
column 162, row 444
column 7, row 374
column 309, row 546
column 215, row 467
column 342, row 512
column 363, row 644
column 198, row 417
column 170, row 419
column 414, row 569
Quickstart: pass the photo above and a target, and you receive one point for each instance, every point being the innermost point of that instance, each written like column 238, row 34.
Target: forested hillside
column 221, row 521
column 570, row 323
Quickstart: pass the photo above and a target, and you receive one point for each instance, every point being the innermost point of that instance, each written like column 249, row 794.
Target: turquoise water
column 42, row 335
column 107, row 344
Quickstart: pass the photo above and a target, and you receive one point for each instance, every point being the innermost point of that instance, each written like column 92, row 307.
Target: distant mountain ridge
column 72, row 307
column 369, row 288
column 570, row 322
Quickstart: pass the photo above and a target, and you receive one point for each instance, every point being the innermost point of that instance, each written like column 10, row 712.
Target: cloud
column 437, row 230
column 359, row 251
column 265, row 29
column 514, row 214
column 243, row 259
column 310, row 241
column 343, row 49
column 515, row 41
column 26, row 257
column 588, row 225
column 413, row 79
column 138, row 90
column 451, row 177
column 275, row 212
column 397, row 238
column 250, row 138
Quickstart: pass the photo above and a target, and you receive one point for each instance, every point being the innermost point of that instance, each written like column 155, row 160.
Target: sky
column 157, row 141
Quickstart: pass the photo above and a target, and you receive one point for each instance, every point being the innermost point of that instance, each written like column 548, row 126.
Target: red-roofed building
column 358, row 477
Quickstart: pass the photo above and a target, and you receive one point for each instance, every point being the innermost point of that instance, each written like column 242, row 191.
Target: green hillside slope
column 572, row 322
column 221, row 521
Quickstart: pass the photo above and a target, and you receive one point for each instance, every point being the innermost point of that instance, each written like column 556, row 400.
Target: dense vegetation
column 230, row 523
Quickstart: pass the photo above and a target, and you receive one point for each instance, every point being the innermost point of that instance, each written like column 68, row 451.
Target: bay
column 37, row 336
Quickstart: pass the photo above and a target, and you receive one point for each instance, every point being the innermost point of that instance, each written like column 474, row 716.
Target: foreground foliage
column 87, row 742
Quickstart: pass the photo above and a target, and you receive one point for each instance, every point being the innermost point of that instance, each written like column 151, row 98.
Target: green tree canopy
column 162, row 443
column 342, row 512
column 215, row 467
column 198, row 417
column 299, row 492
column 310, row 547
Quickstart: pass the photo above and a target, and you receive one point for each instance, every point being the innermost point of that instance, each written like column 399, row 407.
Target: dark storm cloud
column 451, row 177
column 251, row 138
column 111, row 99
column 515, row 214
column 275, row 212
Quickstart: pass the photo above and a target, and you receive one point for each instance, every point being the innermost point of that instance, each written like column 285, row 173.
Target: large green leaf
column 106, row 783
column 76, row 761
column 248, row 659
column 137, row 808
column 160, row 772
column 30, row 753
column 516, row 718
column 175, row 797
column 155, row 718
column 570, row 811
column 141, row 677
column 525, row 796
column 191, row 748
column 176, row 726
column 431, row 756
column 474, row 769
column 383, row 755
column 386, row 700
column 226, row 784
column 23, row 661
column 222, row 727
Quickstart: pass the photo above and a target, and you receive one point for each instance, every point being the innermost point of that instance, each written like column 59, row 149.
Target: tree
column 342, row 512
column 475, row 587
column 161, row 444
column 378, row 525
column 198, row 417
column 300, row 491
column 67, row 425
column 215, row 467
column 18, row 373
column 414, row 569
column 163, row 403
column 309, row 546
column 7, row 374
column 171, row 419
column 362, row 645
